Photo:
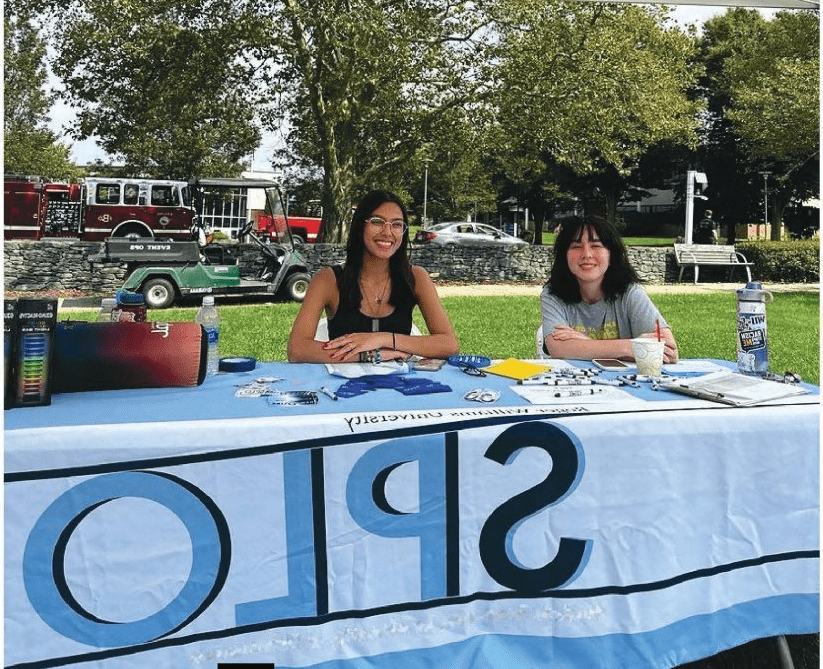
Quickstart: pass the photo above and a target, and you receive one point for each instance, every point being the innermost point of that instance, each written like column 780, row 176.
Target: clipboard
column 732, row 388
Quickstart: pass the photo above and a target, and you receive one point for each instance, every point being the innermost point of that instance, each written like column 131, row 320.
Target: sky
column 88, row 151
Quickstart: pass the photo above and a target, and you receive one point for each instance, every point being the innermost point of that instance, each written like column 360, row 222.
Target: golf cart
column 166, row 270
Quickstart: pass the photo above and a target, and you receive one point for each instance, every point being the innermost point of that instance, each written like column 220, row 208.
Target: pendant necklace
column 378, row 299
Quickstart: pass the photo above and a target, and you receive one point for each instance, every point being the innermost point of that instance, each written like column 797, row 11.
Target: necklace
column 378, row 298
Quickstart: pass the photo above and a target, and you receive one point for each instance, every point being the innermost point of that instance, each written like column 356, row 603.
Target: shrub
column 783, row 262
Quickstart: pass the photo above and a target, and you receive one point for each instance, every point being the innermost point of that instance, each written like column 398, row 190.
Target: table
column 189, row 527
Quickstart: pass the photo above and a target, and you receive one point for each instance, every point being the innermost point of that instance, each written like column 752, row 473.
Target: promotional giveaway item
column 34, row 352
column 110, row 356
column 237, row 364
column 9, row 341
column 752, row 338
column 517, row 369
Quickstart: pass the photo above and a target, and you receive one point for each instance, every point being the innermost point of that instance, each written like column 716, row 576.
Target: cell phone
column 610, row 364
column 429, row 364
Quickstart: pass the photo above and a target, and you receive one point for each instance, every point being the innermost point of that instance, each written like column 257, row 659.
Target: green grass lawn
column 549, row 237
column 504, row 327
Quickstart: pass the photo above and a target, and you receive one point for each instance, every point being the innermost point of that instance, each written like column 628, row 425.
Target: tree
column 164, row 84
column 29, row 146
column 592, row 87
column 775, row 89
column 762, row 88
column 362, row 85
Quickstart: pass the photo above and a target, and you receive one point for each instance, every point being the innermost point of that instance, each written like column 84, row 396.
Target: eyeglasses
column 397, row 227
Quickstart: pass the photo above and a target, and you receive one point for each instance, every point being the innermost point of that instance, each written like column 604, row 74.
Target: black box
column 34, row 355
column 9, row 346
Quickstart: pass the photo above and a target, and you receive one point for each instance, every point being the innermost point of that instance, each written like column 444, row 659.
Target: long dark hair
column 402, row 280
column 618, row 276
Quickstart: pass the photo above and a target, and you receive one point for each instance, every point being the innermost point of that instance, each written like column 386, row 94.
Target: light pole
column 765, row 176
column 692, row 178
column 425, row 192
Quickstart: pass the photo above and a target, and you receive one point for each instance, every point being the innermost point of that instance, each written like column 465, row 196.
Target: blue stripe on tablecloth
column 687, row 640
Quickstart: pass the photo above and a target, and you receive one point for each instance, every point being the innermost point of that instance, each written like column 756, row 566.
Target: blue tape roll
column 236, row 364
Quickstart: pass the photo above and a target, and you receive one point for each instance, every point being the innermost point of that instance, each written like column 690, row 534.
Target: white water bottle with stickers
column 752, row 337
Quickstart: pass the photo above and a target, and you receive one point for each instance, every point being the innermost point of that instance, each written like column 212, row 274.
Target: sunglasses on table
column 398, row 226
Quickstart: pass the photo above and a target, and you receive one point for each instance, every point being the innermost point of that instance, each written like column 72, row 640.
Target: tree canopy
column 763, row 91
column 365, row 87
column 29, row 147
column 164, row 84
column 491, row 99
column 591, row 87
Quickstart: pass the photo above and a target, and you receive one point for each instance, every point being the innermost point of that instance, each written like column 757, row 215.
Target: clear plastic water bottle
column 107, row 304
column 208, row 317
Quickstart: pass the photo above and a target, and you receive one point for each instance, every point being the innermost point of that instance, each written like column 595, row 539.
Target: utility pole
column 425, row 194
column 765, row 176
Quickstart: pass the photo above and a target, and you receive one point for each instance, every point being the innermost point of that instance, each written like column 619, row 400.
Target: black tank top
column 347, row 320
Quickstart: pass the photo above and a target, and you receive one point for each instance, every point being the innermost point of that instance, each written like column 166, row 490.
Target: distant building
column 228, row 209
column 657, row 201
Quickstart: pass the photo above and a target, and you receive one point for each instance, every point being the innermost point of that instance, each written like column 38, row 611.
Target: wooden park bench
column 695, row 255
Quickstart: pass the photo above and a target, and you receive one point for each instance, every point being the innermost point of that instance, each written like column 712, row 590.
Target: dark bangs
column 620, row 273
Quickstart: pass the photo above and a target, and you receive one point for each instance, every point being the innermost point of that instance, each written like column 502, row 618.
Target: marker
column 555, row 382
column 579, row 393
column 607, row 382
column 328, row 392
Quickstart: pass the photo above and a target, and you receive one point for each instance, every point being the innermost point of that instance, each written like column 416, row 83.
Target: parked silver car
column 460, row 233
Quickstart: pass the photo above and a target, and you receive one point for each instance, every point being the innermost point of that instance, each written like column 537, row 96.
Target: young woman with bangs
column 593, row 303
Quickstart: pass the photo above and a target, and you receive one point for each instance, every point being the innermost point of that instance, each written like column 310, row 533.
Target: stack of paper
column 730, row 387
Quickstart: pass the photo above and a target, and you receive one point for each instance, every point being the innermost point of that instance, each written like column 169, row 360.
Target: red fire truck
column 96, row 209
column 304, row 229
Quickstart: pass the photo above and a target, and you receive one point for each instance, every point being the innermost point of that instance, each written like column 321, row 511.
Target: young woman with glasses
column 593, row 303
column 370, row 299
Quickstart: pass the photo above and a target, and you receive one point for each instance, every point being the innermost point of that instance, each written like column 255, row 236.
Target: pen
column 328, row 392
column 579, row 393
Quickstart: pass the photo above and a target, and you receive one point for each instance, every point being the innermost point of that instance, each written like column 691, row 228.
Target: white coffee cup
column 648, row 354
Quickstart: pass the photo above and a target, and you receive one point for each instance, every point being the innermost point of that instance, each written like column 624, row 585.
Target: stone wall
column 66, row 265
column 530, row 264
column 58, row 265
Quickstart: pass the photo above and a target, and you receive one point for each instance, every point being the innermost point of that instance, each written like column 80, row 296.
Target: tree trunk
column 537, row 240
column 778, row 201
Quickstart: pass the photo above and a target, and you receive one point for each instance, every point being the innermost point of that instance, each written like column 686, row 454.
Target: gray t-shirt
column 629, row 315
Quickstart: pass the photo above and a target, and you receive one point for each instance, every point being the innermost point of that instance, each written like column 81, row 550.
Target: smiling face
column 382, row 242
column 588, row 259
